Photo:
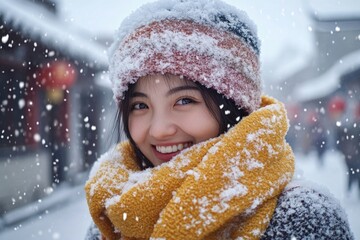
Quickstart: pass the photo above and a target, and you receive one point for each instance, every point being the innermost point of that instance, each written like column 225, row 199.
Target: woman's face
column 168, row 114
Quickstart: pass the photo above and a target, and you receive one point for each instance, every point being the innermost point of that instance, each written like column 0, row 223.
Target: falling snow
column 41, row 208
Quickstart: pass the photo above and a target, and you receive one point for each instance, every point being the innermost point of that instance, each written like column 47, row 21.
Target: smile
column 172, row 148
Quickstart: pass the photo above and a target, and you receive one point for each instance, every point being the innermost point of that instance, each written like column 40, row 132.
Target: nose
column 162, row 126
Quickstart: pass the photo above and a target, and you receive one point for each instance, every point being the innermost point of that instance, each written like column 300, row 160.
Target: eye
column 184, row 101
column 139, row 106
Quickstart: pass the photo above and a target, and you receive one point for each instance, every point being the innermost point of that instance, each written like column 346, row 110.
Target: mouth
column 168, row 151
column 172, row 148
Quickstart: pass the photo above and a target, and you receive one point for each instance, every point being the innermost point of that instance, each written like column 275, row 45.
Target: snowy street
column 63, row 63
column 71, row 219
column 66, row 221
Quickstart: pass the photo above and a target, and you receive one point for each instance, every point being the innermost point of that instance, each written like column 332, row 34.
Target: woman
column 206, row 156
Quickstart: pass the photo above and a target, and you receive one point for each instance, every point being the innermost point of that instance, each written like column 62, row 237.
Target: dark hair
column 224, row 110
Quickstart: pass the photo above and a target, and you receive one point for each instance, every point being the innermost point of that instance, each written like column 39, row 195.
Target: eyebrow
column 170, row 92
column 181, row 88
column 138, row 94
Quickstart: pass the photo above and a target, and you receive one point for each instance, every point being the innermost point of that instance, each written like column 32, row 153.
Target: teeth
column 171, row 149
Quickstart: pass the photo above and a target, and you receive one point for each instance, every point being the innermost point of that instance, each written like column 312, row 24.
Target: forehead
column 156, row 81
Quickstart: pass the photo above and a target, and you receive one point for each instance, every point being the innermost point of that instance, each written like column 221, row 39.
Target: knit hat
column 209, row 42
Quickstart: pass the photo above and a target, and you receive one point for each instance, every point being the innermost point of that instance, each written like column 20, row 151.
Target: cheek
column 201, row 125
column 137, row 129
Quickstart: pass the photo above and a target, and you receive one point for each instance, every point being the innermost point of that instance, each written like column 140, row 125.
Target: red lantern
column 312, row 117
column 336, row 105
column 292, row 111
column 57, row 74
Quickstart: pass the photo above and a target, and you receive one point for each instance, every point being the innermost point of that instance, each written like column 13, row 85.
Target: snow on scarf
column 223, row 188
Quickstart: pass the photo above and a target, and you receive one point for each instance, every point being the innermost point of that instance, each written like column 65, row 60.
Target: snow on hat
column 206, row 41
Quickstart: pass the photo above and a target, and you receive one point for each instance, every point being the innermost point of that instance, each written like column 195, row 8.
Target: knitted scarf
column 223, row 188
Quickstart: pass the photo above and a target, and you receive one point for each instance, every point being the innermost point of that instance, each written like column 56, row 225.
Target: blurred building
column 333, row 70
column 51, row 108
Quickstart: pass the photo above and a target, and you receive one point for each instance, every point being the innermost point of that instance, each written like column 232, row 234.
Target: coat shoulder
column 93, row 233
column 305, row 211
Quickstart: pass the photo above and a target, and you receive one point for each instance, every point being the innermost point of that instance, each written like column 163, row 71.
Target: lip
column 166, row 157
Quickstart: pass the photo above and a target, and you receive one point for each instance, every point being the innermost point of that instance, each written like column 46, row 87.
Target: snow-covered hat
column 206, row 41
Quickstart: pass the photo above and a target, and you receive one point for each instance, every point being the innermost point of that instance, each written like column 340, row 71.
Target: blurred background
column 57, row 112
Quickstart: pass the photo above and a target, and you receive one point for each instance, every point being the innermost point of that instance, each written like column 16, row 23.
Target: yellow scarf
column 223, row 188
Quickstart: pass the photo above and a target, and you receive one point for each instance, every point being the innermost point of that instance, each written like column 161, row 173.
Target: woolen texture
column 302, row 212
column 223, row 188
column 216, row 47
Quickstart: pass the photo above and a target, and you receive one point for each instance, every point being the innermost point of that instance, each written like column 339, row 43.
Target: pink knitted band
column 213, row 57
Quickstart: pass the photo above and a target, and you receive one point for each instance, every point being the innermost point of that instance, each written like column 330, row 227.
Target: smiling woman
column 166, row 114
column 206, row 156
